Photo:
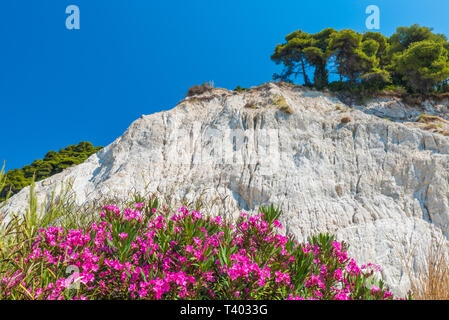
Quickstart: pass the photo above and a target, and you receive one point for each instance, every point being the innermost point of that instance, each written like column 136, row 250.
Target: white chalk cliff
column 380, row 182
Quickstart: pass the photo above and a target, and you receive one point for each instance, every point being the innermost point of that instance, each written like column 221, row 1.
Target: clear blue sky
column 134, row 57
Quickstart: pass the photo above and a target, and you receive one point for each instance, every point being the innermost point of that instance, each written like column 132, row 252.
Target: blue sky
column 134, row 57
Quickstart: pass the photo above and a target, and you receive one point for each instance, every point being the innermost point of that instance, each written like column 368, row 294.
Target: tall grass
column 431, row 282
column 429, row 278
column 2, row 185
column 2, row 179
column 19, row 230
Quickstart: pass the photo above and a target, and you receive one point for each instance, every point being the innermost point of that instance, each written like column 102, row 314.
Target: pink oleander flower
column 282, row 277
column 374, row 290
column 123, row 236
column 277, row 224
column 315, row 281
column 352, row 268
column 338, row 274
column 342, row 296
column 139, row 205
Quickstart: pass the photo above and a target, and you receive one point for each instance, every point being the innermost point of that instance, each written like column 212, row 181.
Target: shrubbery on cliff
column 53, row 163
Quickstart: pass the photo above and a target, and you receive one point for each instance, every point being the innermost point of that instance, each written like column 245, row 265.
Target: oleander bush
column 147, row 251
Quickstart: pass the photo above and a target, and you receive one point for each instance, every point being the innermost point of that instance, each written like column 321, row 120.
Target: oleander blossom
column 148, row 252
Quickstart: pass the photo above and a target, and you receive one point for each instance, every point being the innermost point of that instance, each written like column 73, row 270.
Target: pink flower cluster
column 146, row 253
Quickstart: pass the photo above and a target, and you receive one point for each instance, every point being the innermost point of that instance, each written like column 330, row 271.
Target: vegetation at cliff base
column 146, row 250
column 413, row 58
column 53, row 163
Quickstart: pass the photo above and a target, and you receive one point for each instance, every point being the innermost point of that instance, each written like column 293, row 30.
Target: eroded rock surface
column 380, row 181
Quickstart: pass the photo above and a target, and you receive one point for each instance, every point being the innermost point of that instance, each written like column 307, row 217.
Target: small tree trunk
column 306, row 81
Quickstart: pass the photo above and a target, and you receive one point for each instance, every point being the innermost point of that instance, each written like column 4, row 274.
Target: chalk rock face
column 377, row 180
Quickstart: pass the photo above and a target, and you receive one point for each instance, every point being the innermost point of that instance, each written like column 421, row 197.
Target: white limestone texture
column 380, row 182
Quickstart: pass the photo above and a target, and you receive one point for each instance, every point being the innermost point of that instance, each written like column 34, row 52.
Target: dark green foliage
column 270, row 213
column 301, row 51
column 353, row 56
column 359, row 91
column 318, row 55
column 376, row 80
column 405, row 36
column 240, row 89
column 423, row 66
column 53, row 163
column 382, row 41
column 443, row 88
column 413, row 57
column 292, row 56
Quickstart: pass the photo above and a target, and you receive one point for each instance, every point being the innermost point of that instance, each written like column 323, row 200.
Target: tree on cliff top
column 354, row 57
column 413, row 57
column 424, row 65
column 292, row 56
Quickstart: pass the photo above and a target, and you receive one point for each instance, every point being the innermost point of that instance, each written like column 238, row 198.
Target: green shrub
column 53, row 163
column 282, row 104
column 240, row 89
